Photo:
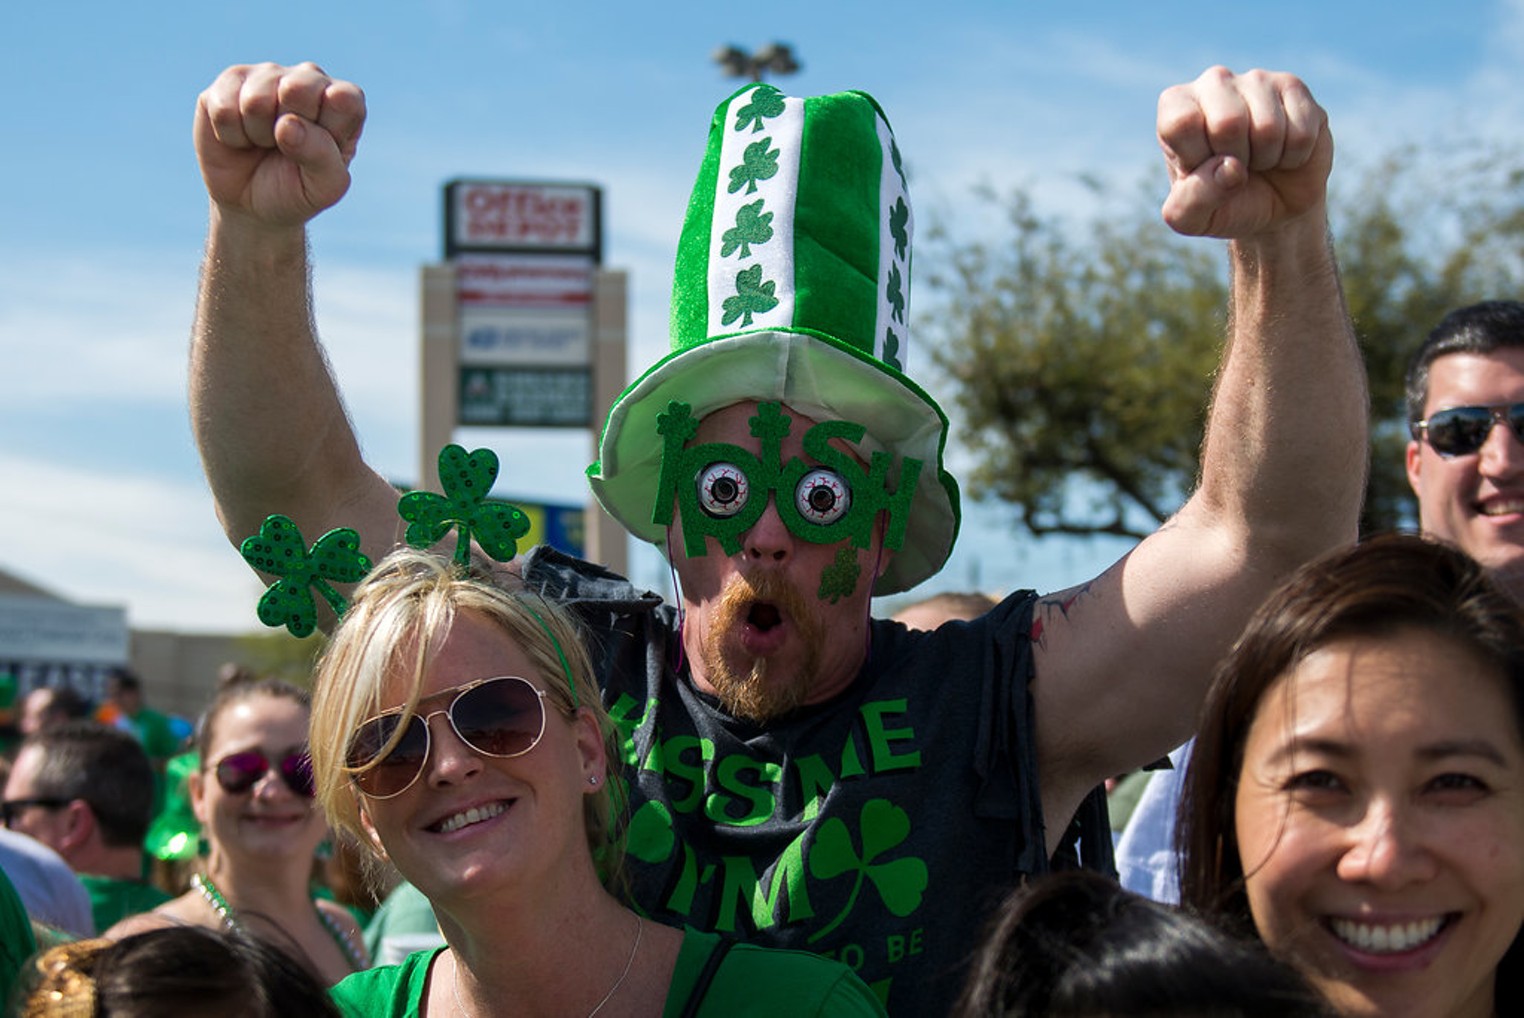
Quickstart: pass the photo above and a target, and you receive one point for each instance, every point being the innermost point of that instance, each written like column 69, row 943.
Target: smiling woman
column 458, row 733
column 1356, row 794
column 253, row 795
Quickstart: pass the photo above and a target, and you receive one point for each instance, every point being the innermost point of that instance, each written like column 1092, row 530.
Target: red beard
column 765, row 691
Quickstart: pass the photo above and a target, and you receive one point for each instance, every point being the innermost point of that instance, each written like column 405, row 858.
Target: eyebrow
column 1444, row 749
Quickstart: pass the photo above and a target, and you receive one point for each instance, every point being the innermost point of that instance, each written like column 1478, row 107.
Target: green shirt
column 153, row 730
column 17, row 943
column 753, row 982
column 113, row 899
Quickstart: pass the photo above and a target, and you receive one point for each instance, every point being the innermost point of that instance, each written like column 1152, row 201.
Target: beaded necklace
column 219, row 904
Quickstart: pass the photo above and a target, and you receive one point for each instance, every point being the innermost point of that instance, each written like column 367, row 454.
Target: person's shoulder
column 51, row 891
column 339, row 914
column 385, row 989
column 142, row 922
column 555, row 574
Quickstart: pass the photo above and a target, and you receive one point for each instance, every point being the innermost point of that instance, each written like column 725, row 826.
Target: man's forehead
column 23, row 773
column 732, row 424
column 1464, row 377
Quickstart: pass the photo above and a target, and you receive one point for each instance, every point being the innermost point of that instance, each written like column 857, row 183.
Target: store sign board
column 43, row 630
column 526, row 397
column 506, row 215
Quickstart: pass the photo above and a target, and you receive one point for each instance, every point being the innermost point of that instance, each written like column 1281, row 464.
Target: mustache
column 741, row 593
column 761, row 691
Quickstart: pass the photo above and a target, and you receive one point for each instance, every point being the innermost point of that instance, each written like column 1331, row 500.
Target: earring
column 592, row 779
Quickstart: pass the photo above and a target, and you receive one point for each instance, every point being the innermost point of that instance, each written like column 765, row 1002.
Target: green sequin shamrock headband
column 467, row 478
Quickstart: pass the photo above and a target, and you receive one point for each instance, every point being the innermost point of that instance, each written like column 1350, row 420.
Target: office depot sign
column 500, row 215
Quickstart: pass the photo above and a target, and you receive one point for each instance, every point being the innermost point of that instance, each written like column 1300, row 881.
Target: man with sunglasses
column 86, row 791
column 804, row 775
column 1465, row 381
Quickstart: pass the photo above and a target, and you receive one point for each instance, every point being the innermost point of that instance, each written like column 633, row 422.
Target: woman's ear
column 370, row 833
column 195, row 787
column 591, row 749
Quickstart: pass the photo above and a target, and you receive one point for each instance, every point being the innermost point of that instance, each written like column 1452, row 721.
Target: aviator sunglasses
column 1462, row 430
column 239, row 772
column 497, row 717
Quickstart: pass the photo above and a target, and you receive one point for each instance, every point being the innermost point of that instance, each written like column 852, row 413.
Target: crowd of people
column 759, row 799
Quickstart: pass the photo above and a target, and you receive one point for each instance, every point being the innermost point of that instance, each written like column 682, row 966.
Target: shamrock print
column 900, row 882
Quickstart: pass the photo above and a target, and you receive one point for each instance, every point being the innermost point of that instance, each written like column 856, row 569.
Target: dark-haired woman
column 1356, row 794
column 254, row 797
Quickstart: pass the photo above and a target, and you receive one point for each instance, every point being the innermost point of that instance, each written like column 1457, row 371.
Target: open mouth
column 467, row 817
column 1388, row 938
column 764, row 615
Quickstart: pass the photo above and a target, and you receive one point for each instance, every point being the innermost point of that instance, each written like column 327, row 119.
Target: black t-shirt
column 879, row 828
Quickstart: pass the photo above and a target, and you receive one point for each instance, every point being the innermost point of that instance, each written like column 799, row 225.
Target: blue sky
column 102, row 213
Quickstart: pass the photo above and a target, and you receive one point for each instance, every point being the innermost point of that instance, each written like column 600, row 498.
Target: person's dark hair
column 124, row 679
column 1476, row 328
column 1387, row 584
column 236, row 689
column 173, row 972
column 64, row 703
column 1075, row 943
column 105, row 767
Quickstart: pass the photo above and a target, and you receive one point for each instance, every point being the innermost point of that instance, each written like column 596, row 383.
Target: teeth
column 1390, row 939
column 1502, row 507
column 474, row 815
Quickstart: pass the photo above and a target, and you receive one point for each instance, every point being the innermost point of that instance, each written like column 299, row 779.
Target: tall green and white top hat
column 792, row 286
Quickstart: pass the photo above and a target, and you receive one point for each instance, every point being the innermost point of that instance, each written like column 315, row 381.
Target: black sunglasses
column 498, row 717
column 1462, row 430
column 10, row 807
column 239, row 772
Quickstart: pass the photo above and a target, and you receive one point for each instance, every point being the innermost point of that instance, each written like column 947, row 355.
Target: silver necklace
column 628, row 963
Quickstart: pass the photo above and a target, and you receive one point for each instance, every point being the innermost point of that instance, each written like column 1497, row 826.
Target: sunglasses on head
column 1462, row 430
column 239, row 772
column 497, row 717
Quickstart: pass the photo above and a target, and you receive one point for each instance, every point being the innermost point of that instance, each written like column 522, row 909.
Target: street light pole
column 777, row 57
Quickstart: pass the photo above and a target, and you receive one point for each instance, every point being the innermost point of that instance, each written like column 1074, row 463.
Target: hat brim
column 812, row 374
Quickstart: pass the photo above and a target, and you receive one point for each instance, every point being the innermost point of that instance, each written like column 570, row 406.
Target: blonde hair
column 396, row 621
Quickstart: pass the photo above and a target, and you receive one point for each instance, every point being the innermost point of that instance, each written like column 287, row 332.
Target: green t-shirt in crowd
column 17, row 942
column 113, row 899
column 752, row 982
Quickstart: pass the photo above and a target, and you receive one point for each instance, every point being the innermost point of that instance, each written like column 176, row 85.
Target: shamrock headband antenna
column 467, row 478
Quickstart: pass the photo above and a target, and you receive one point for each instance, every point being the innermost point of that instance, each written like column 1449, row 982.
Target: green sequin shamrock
column 900, row 882
column 839, row 579
column 278, row 549
column 467, row 479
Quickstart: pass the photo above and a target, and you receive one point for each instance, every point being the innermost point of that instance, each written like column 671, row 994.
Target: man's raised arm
column 274, row 145
column 1123, row 661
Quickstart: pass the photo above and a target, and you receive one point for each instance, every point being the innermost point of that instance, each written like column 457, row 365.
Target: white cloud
column 126, row 539
column 99, row 324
